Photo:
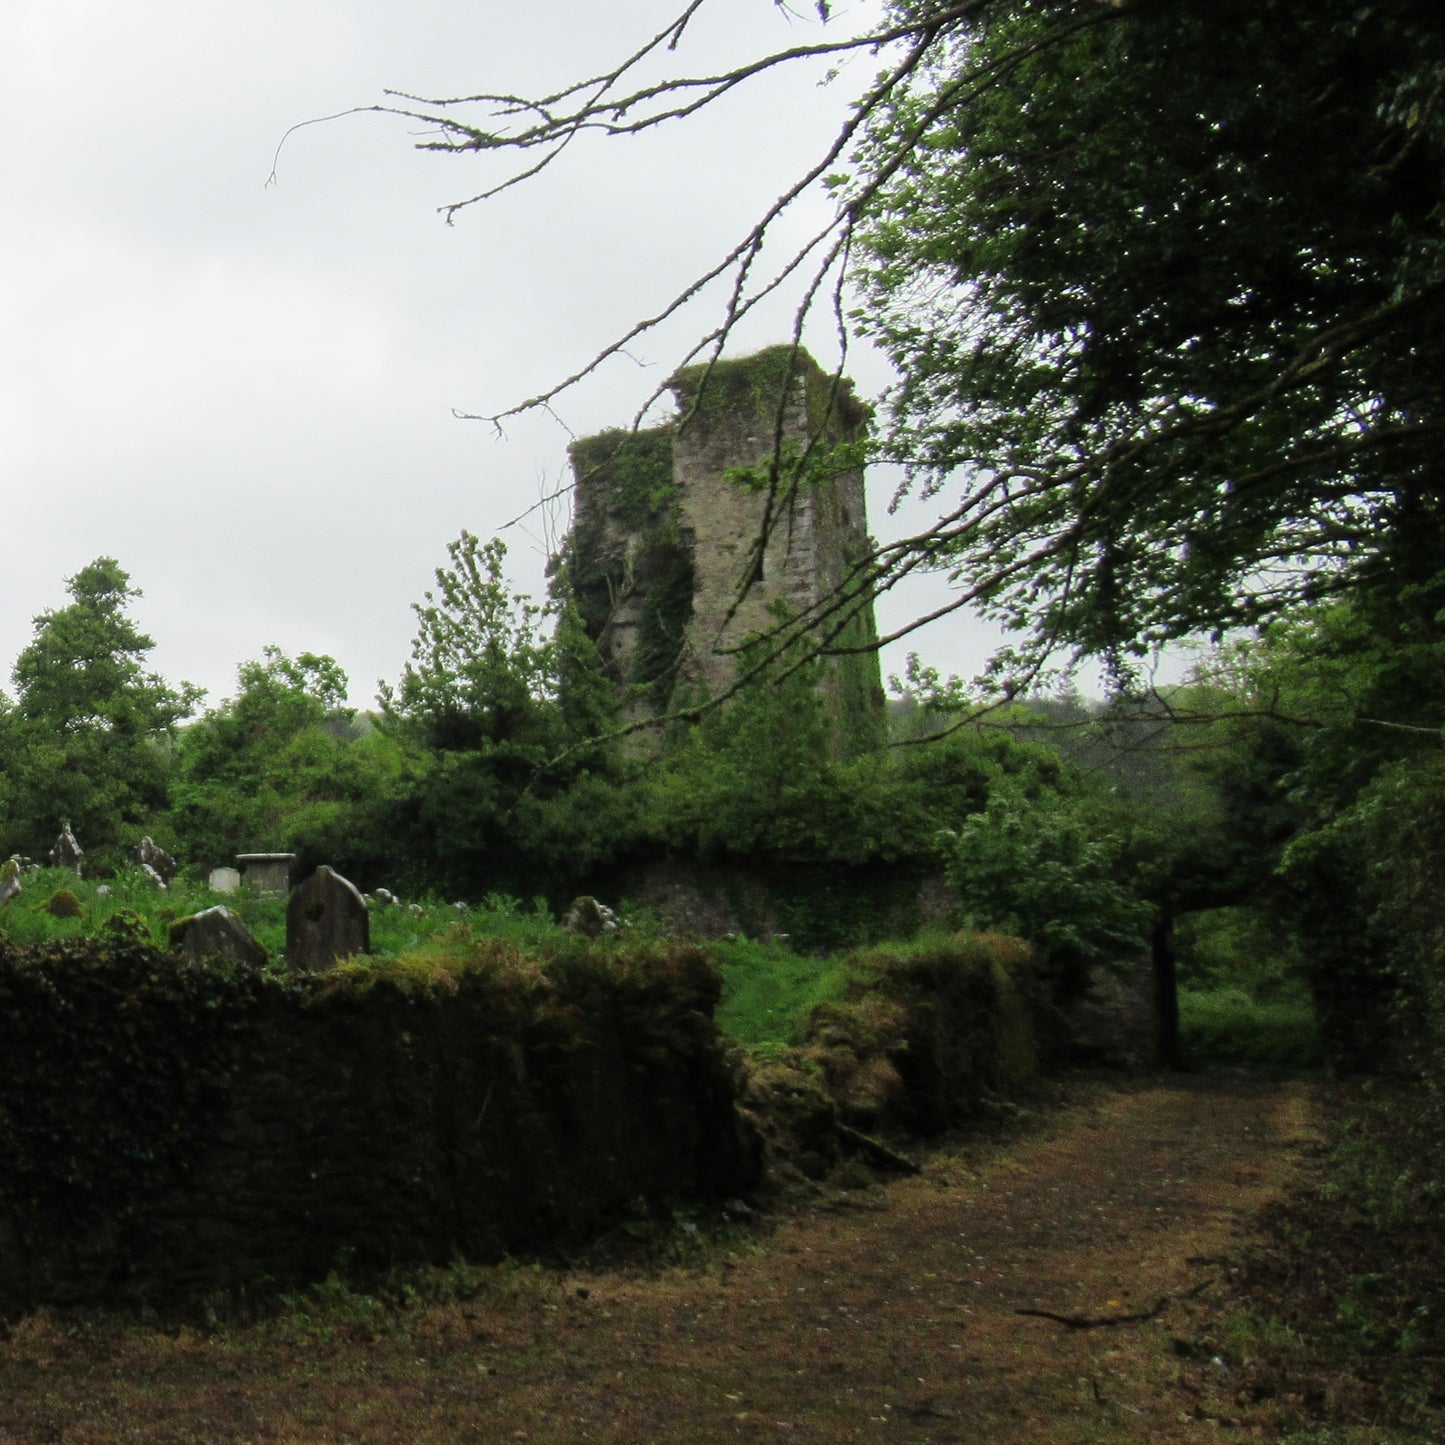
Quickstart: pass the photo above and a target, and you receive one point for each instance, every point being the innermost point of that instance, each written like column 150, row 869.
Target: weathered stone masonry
column 666, row 528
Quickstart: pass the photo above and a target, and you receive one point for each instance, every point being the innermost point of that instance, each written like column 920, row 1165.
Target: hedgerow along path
column 1036, row 1292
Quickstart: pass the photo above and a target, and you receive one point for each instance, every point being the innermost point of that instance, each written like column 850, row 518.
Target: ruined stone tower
column 664, row 556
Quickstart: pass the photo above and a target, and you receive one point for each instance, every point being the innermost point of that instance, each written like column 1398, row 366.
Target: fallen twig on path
column 1093, row 1322
column 876, row 1151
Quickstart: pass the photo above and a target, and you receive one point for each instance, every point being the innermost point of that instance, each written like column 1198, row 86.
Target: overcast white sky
column 245, row 393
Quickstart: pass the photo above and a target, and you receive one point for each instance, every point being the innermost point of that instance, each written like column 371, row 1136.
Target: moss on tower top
column 626, row 473
column 754, row 384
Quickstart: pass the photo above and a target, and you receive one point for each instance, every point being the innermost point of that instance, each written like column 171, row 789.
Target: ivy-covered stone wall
column 630, row 566
column 168, row 1131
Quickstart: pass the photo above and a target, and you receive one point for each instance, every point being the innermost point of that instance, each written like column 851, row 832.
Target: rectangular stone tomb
column 267, row 875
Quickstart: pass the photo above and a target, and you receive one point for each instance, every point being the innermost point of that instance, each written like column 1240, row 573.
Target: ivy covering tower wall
column 689, row 538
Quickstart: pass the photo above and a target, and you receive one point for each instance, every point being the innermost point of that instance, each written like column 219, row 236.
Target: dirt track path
column 900, row 1320
column 893, row 1315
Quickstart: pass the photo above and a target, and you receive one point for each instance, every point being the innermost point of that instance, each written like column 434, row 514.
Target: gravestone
column 149, row 854
column 9, row 878
column 215, row 933
column 588, row 916
column 267, row 875
column 224, row 880
column 66, row 853
column 325, row 921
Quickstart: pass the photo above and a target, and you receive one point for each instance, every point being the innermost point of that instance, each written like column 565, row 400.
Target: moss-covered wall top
column 169, row 1129
column 752, row 386
column 625, row 475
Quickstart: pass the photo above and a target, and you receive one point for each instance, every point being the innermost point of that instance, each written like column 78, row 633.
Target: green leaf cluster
column 1163, row 287
column 87, row 738
column 1042, row 865
column 481, row 669
column 285, row 766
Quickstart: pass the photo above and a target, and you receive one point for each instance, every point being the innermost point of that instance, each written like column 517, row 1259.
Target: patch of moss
column 628, row 472
column 63, row 904
column 753, row 384
column 857, row 1046
column 795, row 1112
column 953, row 1013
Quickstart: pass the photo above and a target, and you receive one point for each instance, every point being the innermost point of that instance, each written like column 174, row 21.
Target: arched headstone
column 326, row 921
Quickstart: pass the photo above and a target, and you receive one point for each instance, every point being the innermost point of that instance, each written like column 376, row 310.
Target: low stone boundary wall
column 169, row 1130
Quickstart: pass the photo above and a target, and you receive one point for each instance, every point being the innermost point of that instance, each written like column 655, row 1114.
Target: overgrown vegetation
column 1176, row 379
column 485, row 1080
column 1259, row 820
column 1335, row 1306
column 173, row 1131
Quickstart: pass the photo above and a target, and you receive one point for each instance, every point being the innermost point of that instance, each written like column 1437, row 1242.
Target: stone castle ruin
column 664, row 554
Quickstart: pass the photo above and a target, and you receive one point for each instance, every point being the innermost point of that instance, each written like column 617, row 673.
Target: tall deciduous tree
column 285, row 766
column 1165, row 288
column 490, row 698
column 87, row 740
column 85, row 670
column 481, row 668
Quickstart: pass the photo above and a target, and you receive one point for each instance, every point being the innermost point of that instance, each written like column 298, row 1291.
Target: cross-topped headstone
column 66, row 853
column 149, row 854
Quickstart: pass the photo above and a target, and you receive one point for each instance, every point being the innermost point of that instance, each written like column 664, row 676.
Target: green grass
column 395, row 931
column 767, row 989
column 1227, row 1025
column 25, row 919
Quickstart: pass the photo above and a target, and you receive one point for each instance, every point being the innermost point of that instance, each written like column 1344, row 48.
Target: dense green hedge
column 170, row 1132
column 956, row 1015
column 918, row 1038
column 167, row 1131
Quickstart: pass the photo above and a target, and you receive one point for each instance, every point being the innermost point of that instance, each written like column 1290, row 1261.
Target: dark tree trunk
column 1166, row 991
